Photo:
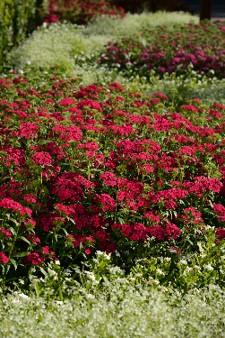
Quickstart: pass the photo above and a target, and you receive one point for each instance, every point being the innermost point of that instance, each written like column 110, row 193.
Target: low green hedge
column 17, row 19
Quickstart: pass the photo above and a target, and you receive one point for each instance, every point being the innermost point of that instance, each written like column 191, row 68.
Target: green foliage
column 179, row 88
column 193, row 270
column 181, row 272
column 151, row 5
column 17, row 19
column 6, row 27
column 136, row 24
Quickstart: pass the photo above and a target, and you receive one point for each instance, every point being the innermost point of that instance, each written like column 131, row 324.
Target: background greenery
column 59, row 45
column 17, row 19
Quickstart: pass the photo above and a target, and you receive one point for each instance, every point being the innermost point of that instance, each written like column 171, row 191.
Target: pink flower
column 88, row 251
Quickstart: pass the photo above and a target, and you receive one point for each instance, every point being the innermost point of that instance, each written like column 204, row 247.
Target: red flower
column 152, row 217
column 65, row 209
column 139, row 232
column 189, row 107
column 109, row 179
column 107, row 202
column 15, row 156
column 28, row 130
column 34, row 239
column 91, row 104
column 42, row 158
column 45, row 250
column 30, row 198
column 160, row 95
column 48, row 221
column 220, row 233
column 157, row 232
column 116, row 86
column 148, row 168
column 68, row 134
column 3, row 258
column 51, row 19
column 6, row 232
column 172, row 231
column 9, row 203
column 220, row 211
column 88, row 251
column 67, row 101
column 192, row 215
column 77, row 240
column 34, row 258
column 124, row 228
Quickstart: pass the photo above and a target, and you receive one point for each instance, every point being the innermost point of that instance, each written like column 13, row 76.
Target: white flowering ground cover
column 116, row 312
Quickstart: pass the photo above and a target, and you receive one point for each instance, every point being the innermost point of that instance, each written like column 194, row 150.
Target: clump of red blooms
column 103, row 168
column 79, row 11
column 201, row 46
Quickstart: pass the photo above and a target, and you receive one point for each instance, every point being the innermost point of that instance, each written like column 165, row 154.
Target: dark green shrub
column 17, row 19
column 6, row 27
column 152, row 5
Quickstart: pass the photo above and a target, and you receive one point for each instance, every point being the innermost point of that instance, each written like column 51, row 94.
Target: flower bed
column 201, row 46
column 102, row 168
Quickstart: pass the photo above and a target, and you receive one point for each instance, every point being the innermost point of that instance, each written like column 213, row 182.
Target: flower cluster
column 105, row 168
column 78, row 11
column 201, row 46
